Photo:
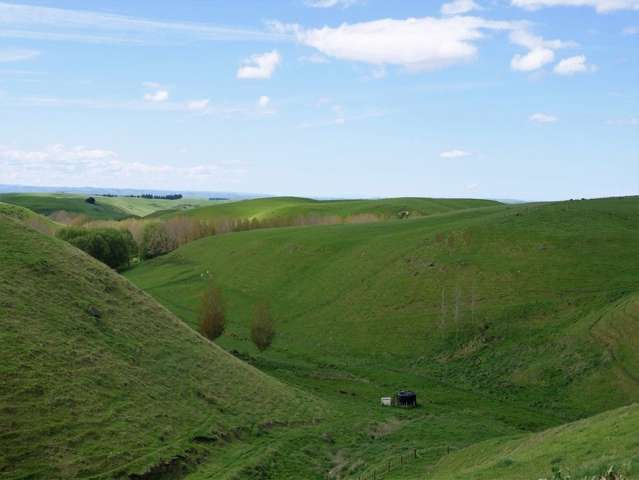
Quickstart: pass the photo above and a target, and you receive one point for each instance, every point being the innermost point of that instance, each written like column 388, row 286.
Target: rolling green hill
column 106, row 208
column 581, row 450
column 306, row 210
column 499, row 299
column 30, row 218
column 99, row 381
column 502, row 318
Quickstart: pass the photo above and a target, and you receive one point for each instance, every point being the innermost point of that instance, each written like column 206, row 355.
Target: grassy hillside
column 294, row 208
column 580, row 450
column 29, row 218
column 99, row 381
column 503, row 300
column 106, row 208
column 141, row 207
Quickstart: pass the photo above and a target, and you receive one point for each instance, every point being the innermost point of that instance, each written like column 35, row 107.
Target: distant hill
column 99, row 381
column 527, row 303
column 309, row 211
column 105, row 208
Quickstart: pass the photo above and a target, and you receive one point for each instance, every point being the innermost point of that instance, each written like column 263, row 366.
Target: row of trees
column 213, row 319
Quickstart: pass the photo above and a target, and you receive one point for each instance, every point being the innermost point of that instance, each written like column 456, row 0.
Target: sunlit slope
column 580, row 450
column 48, row 203
column 105, row 208
column 503, row 300
column 295, row 208
column 100, row 381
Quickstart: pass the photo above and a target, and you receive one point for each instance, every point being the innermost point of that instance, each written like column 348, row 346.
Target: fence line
column 380, row 473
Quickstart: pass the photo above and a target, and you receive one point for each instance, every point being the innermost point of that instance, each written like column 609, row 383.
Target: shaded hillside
column 580, row 450
column 100, row 381
column 292, row 210
column 502, row 300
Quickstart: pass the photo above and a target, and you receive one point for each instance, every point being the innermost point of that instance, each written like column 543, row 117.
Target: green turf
column 535, row 329
column 579, row 450
column 99, row 381
column 295, row 209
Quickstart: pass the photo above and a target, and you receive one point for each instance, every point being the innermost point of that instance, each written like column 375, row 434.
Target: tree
column 212, row 313
column 262, row 328
column 109, row 245
column 156, row 240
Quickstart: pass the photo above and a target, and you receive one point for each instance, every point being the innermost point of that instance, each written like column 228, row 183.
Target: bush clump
column 111, row 246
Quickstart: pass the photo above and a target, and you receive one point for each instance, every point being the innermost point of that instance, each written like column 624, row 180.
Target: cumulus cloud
column 455, row 154
column 263, row 101
column 601, row 6
column 457, row 7
column 331, row 3
column 260, row 66
column 197, row 105
column 541, row 52
column 17, row 54
column 79, row 166
column 543, row 118
column 415, row 43
column 573, row 65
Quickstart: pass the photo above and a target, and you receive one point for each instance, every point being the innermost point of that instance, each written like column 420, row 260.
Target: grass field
column 106, row 208
column 296, row 208
column 504, row 319
column 99, row 381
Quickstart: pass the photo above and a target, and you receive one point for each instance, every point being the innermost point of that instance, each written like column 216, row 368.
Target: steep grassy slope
column 505, row 301
column 581, row 450
column 99, row 381
column 294, row 208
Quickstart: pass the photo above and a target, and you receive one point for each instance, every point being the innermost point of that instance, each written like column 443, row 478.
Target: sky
column 518, row 99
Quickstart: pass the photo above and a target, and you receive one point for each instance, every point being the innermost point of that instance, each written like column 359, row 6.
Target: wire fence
column 396, row 462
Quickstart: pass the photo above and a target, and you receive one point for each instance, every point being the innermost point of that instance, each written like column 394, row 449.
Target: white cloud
column 416, row 43
column 81, row 166
column 601, row 6
column 454, row 154
column 263, row 101
column 543, row 118
column 572, row 65
column 157, row 97
column 332, row 3
column 197, row 105
column 457, row 7
column 533, row 60
column 17, row 54
column 631, row 31
column 541, row 52
column 260, row 66
column 58, row 24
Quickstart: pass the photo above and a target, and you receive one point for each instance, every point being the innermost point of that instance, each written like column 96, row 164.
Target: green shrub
column 109, row 245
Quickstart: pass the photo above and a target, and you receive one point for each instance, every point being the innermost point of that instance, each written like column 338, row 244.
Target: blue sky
column 527, row 99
